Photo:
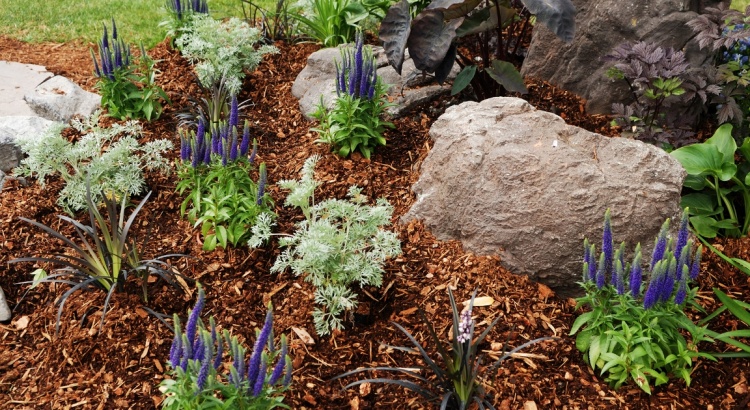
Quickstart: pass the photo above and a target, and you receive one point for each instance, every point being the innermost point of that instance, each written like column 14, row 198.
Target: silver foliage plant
column 340, row 242
column 112, row 158
column 222, row 50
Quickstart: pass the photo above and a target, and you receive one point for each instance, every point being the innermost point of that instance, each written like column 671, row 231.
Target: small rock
column 4, row 308
column 59, row 99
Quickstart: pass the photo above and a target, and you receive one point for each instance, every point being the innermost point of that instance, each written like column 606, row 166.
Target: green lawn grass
column 60, row 21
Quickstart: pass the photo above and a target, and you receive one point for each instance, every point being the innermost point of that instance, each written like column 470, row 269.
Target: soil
column 122, row 366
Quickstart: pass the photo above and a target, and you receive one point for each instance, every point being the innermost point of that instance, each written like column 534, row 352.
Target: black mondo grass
column 456, row 384
column 106, row 256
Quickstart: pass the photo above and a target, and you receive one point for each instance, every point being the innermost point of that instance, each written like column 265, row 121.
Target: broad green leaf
column 724, row 141
column 463, row 79
column 355, row 12
column 695, row 182
column 506, row 75
column 699, row 203
column 705, row 159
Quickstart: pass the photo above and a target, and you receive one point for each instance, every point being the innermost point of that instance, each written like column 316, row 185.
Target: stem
column 500, row 52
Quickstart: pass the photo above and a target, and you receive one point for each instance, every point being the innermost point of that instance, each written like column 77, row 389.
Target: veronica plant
column 354, row 123
column 340, row 242
column 128, row 90
column 659, row 79
column 215, row 173
column 632, row 333
column 180, row 14
column 110, row 158
column 200, row 382
column 222, row 50
column 457, row 386
column 105, row 257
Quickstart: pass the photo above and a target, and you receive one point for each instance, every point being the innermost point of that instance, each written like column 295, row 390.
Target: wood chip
column 303, row 335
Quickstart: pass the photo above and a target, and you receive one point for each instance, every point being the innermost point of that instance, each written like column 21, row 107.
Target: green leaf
column 39, row 276
column 506, row 75
column 699, row 203
column 705, row 159
column 463, row 79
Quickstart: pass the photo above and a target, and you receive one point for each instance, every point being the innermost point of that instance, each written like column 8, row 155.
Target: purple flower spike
column 607, row 243
column 105, row 38
column 278, row 370
column 258, row 387
column 192, row 324
column 600, row 275
column 592, row 262
column 682, row 235
column 234, row 112
column 289, row 371
column 175, row 352
column 636, row 273
column 253, row 366
column 695, row 268
column 245, row 144
column 464, row 327
column 255, row 151
column 187, row 352
column 205, row 363
column 262, row 184
column 681, row 291
column 652, row 292
column 660, row 246
column 233, row 147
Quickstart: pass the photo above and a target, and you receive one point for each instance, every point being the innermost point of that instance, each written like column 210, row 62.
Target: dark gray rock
column 408, row 91
column 601, row 26
column 506, row 179
column 59, row 99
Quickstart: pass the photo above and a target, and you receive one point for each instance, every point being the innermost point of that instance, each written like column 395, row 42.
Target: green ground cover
column 68, row 20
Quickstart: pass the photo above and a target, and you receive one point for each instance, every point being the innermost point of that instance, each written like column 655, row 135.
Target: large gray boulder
column 408, row 90
column 16, row 79
column 507, row 179
column 600, row 27
column 14, row 127
column 59, row 99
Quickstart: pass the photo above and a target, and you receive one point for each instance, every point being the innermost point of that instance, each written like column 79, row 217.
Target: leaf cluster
column 180, row 14
column 457, row 384
column 430, row 35
column 224, row 200
column 222, row 50
column 741, row 311
column 659, row 79
column 725, row 32
column 200, row 382
column 335, row 22
column 111, row 158
column 105, row 257
column 128, row 89
column 717, row 186
column 340, row 242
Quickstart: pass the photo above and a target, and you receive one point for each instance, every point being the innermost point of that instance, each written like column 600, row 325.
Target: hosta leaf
column 558, row 15
column 506, row 75
column 705, row 159
column 394, row 32
column 431, row 39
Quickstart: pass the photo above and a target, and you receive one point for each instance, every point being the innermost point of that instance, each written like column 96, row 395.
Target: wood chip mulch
column 121, row 367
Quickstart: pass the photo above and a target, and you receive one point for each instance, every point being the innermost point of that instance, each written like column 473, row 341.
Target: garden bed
column 122, row 366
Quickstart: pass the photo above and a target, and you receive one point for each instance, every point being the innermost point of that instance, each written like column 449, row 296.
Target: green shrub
column 335, row 22
column 340, row 242
column 222, row 50
column 111, row 158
